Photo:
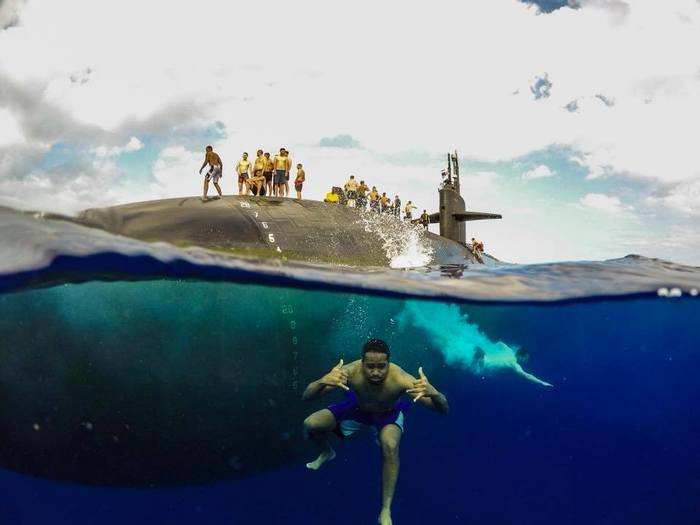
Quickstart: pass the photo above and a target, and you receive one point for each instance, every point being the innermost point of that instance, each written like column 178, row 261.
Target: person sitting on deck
column 256, row 183
column 425, row 219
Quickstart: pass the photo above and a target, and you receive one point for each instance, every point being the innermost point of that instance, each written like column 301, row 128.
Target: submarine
column 304, row 230
column 164, row 381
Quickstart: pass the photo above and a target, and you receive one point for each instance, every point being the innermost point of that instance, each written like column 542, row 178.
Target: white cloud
column 540, row 172
column 604, row 203
column 683, row 198
column 323, row 82
column 134, row 144
column 10, row 131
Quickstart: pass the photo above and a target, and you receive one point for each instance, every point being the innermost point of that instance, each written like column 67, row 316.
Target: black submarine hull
column 304, row 230
column 168, row 382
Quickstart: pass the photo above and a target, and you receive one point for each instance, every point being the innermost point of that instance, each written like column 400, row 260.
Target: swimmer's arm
column 206, row 160
column 336, row 378
column 424, row 393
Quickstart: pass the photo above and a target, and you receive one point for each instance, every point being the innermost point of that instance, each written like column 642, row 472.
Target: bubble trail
column 461, row 342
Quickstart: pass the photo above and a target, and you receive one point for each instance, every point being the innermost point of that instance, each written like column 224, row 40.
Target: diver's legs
column 389, row 439
column 205, row 190
column 316, row 427
column 218, row 189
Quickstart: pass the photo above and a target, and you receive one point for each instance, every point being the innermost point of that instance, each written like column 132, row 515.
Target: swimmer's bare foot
column 385, row 517
column 322, row 458
column 205, row 199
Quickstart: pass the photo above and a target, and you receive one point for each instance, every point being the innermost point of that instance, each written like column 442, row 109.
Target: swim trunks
column 350, row 418
column 298, row 186
column 280, row 176
column 242, row 177
column 214, row 174
column 268, row 176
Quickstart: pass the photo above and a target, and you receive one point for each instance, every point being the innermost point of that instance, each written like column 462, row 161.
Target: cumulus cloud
column 605, row 203
column 683, row 198
column 134, row 144
column 540, row 172
column 339, row 141
column 10, row 12
column 492, row 102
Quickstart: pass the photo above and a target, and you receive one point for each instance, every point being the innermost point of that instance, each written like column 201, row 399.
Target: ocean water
column 142, row 383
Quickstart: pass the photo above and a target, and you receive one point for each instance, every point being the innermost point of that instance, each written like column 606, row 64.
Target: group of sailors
column 359, row 195
column 261, row 176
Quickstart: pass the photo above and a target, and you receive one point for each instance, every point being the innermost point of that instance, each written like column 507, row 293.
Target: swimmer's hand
column 421, row 387
column 337, row 377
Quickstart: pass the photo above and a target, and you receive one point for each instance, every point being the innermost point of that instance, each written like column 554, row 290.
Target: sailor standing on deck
column 215, row 171
column 299, row 180
column 243, row 171
column 397, row 207
column 280, row 163
column 267, row 172
column 408, row 212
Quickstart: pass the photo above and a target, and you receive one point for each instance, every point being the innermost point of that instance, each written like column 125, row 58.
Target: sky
column 577, row 120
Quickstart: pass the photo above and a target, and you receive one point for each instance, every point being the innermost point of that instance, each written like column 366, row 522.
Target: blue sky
column 585, row 145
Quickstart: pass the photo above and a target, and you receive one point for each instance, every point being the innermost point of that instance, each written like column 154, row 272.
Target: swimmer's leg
column 389, row 439
column 205, row 190
column 318, row 427
column 218, row 189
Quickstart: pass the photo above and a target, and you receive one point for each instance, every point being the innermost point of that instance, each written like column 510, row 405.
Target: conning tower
column 453, row 211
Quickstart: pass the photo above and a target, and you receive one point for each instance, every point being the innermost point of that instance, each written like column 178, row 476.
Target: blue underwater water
column 614, row 440
column 141, row 383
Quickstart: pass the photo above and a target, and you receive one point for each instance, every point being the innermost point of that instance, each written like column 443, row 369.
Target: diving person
column 374, row 390
column 215, row 172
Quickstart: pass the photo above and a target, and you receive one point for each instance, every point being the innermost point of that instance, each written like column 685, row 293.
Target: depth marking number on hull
column 265, row 225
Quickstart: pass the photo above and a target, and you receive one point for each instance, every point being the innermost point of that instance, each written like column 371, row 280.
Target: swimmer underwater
column 374, row 388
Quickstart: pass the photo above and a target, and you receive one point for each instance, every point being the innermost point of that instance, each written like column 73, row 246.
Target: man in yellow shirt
column 256, row 183
column 243, row 170
column 267, row 173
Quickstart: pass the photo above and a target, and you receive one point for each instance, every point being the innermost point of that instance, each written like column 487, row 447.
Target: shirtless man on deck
column 373, row 389
column 215, row 171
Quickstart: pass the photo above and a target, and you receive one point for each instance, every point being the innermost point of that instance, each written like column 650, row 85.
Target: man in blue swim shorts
column 374, row 390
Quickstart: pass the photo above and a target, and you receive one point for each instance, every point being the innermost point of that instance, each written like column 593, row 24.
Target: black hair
column 209, row 147
column 377, row 346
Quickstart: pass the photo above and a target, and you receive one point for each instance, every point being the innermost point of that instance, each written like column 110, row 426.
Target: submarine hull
column 304, row 230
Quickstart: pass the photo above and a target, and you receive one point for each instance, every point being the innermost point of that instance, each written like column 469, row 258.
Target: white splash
column 461, row 342
column 406, row 245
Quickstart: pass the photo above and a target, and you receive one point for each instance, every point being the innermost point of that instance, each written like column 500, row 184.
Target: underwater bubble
column 694, row 292
column 36, row 426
